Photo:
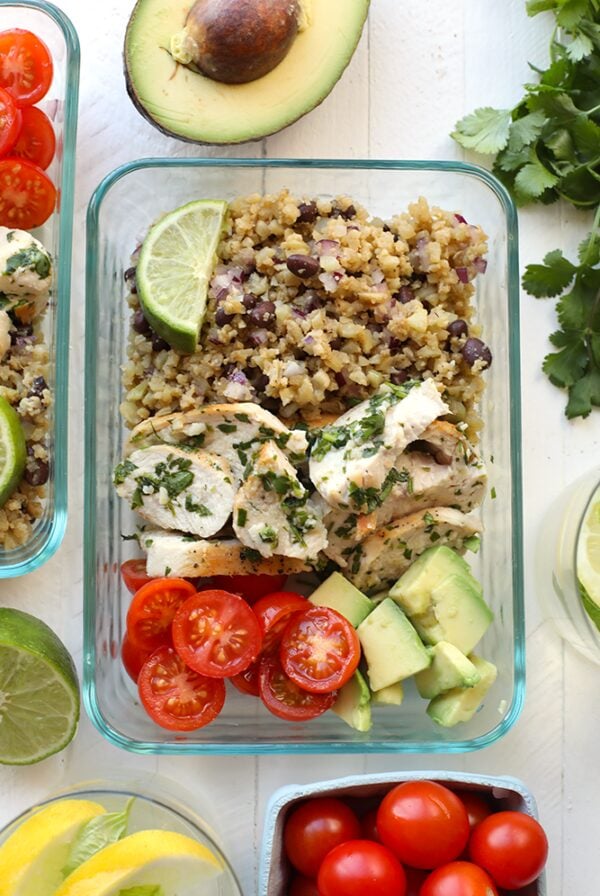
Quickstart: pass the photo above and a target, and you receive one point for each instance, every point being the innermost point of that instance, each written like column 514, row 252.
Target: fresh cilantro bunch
column 547, row 148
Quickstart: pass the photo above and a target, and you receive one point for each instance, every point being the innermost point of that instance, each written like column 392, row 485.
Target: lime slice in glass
column 39, row 691
column 12, row 450
column 174, row 270
column 588, row 559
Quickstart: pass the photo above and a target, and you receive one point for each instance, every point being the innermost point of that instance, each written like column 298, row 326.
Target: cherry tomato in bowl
column 250, row 587
column 284, row 698
column 25, row 66
column 458, row 879
column 27, row 195
column 313, row 828
column 36, row 141
column 273, row 612
column 361, row 868
column 133, row 658
column 134, row 575
column 319, row 649
column 152, row 610
column 10, row 122
column 512, row 847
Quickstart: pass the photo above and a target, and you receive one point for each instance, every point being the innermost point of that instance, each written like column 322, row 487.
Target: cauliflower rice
column 307, row 339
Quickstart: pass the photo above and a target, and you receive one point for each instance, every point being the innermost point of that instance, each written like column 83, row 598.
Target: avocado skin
column 265, row 131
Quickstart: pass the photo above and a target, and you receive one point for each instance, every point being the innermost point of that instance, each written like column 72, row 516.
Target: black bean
column 458, row 328
column 21, row 336
column 395, row 344
column 38, row 387
column 336, row 343
column 303, row 266
column 130, row 279
column 38, row 473
column 475, row 350
column 222, row 317
column 397, row 377
column 140, row 324
column 261, row 383
column 159, row 344
column 348, row 213
column 249, row 300
column 263, row 314
column 307, row 213
column 404, row 295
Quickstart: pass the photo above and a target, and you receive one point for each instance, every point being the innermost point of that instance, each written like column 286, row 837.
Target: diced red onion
column 480, row 265
column 462, row 274
column 308, row 340
column 327, row 247
column 222, row 294
column 237, row 376
column 460, row 219
column 258, row 337
column 236, row 274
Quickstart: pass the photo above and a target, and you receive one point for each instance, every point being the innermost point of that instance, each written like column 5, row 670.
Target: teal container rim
column 58, row 524
column 89, row 559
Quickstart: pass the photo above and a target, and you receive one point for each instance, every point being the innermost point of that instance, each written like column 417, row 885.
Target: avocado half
column 183, row 103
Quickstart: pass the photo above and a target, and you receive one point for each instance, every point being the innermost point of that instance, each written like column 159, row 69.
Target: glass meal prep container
column 120, row 212
column 60, row 104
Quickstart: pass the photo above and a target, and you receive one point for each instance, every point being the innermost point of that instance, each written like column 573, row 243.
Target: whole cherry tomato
column 361, row 868
column 315, row 827
column 458, row 879
column 512, row 847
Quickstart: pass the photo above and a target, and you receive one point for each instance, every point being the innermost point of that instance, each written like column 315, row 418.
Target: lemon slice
column 588, row 559
column 174, row 269
column 12, row 450
column 172, row 861
column 32, row 858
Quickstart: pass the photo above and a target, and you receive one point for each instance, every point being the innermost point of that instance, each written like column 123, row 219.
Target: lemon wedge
column 588, row 559
column 172, row 861
column 32, row 858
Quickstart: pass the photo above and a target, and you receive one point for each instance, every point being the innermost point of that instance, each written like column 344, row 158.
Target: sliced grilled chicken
column 191, row 491
column 272, row 511
column 176, row 554
column 381, row 558
column 351, row 460
column 233, row 431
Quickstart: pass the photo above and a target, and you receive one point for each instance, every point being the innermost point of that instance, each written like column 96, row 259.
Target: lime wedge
column 39, row 692
column 32, row 859
column 174, row 269
column 588, row 559
column 165, row 859
column 12, row 450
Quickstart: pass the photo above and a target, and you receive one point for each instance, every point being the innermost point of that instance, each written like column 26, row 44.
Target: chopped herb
column 122, row 471
column 242, row 516
column 4, row 300
column 243, row 418
column 434, row 536
column 349, row 526
column 167, row 570
column 190, row 538
column 369, row 499
column 357, row 556
column 493, row 493
column 268, row 535
column 32, row 259
column 193, row 507
column 148, row 542
column 10, row 236
column 193, row 442
column 472, row 543
column 408, row 553
column 281, row 484
column 250, row 554
column 227, row 427
column 134, row 537
column 136, row 499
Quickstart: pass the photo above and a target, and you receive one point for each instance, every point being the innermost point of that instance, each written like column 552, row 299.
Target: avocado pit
column 237, row 41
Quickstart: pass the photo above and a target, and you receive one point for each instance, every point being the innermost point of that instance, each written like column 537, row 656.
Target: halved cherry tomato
column 319, row 649
column 361, row 868
column 423, row 823
column 153, row 609
column 134, row 575
column 284, row 698
column 512, row 847
column 176, row 697
column 10, row 122
column 458, row 879
column 247, row 681
column 216, row 633
column 25, row 66
column 36, row 141
column 313, row 828
column 250, row 587
column 273, row 612
column 27, row 195
column 133, row 658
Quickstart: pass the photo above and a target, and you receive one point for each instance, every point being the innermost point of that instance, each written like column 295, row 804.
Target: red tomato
column 303, row 886
column 458, row 879
column 477, row 806
column 512, row 847
column 284, row 698
column 319, row 649
column 176, row 697
column 133, row 658
column 423, row 823
column 368, row 826
column 361, row 868
column 247, row 681
column 273, row 612
column 10, row 122
column 315, row 827
column 153, row 609
column 25, row 66
column 250, row 587
column 216, row 633
column 36, row 142
column 27, row 195
column 133, row 573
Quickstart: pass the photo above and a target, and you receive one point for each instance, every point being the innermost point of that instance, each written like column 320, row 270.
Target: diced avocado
column 449, row 669
column 391, row 647
column 413, row 589
column 339, row 594
column 392, row 695
column 461, row 704
column 353, row 704
column 457, row 613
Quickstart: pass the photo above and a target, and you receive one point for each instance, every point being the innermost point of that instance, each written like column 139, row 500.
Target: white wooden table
column 419, row 67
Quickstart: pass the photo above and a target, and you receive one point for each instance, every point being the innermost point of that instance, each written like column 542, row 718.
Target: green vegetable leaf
column 95, row 834
column 533, row 180
column 584, row 395
column 525, row 130
column 566, row 367
column 550, row 278
column 589, row 249
column 536, row 6
column 144, row 890
column 571, row 13
column 580, row 47
column 486, row 130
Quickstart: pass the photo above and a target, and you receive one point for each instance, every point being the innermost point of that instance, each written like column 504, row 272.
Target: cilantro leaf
column 571, row 13
column 580, row 47
column 525, row 130
column 536, row 6
column 486, row 130
column 589, row 249
column 533, row 180
column 583, row 395
column 566, row 367
column 549, row 278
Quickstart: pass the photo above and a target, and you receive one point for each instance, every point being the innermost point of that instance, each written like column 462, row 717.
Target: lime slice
column 164, row 859
column 174, row 268
column 588, row 559
column 39, row 692
column 32, row 858
column 12, row 450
